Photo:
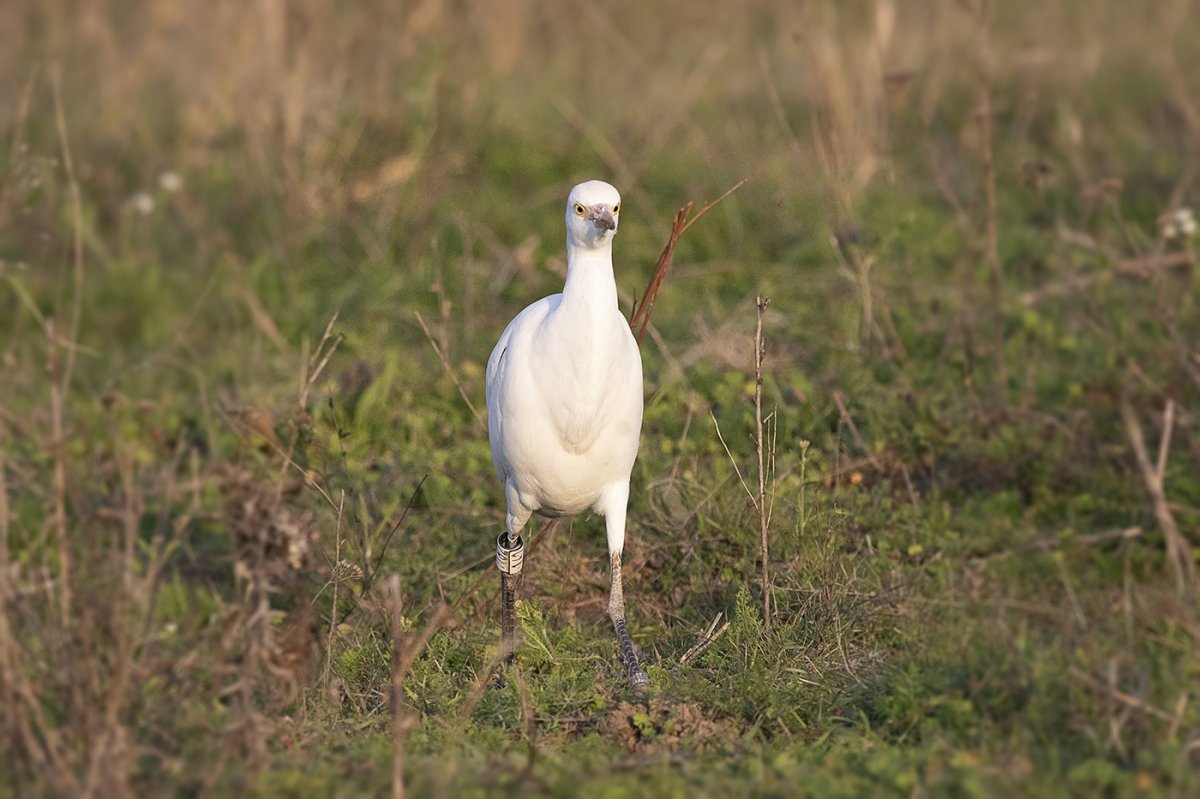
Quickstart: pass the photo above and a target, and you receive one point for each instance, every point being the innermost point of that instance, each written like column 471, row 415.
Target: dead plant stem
column 1178, row 551
column 398, row 720
column 639, row 318
column 760, row 304
column 335, row 578
column 991, row 224
column 448, row 369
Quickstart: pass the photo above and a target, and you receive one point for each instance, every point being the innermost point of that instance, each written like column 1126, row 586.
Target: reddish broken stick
column 639, row 317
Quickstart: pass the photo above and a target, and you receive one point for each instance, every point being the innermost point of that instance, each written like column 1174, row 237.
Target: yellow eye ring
column 579, row 209
column 616, row 209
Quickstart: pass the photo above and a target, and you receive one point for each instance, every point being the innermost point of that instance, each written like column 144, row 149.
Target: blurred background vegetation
column 253, row 257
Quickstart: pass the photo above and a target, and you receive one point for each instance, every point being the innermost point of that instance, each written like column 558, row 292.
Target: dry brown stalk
column 479, row 685
column 19, row 729
column 1129, row 700
column 60, row 373
column 1140, row 267
column 760, row 304
column 709, row 637
column 1164, row 306
column 398, row 720
column 1178, row 552
column 991, row 232
column 405, row 652
column 76, row 226
column 310, row 369
column 392, row 530
column 60, row 482
column 840, row 400
column 240, row 424
column 449, row 370
column 530, row 722
column 639, row 317
column 733, row 460
column 333, row 578
column 1053, row 542
column 1180, row 708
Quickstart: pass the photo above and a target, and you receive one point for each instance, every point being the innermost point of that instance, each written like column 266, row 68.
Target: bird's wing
column 499, row 362
column 532, row 315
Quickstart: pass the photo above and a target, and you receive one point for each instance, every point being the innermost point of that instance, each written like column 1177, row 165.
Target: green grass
column 958, row 610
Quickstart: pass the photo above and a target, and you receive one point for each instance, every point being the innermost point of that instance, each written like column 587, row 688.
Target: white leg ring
column 510, row 555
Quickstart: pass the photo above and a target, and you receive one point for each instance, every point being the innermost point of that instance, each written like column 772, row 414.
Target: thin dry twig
column 530, row 723
column 1180, row 708
column 1051, row 543
column 1139, row 267
column 76, row 225
column 398, row 720
column 479, row 685
column 1129, row 700
column 311, row 368
column 840, row 400
column 640, row 315
column 237, row 421
column 449, row 370
column 392, row 531
column 708, row 639
column 404, row 653
column 760, row 304
column 60, row 373
column 991, row 232
column 1178, row 552
column 333, row 578
column 733, row 460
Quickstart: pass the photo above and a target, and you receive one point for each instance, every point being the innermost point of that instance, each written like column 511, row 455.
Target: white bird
column 564, row 397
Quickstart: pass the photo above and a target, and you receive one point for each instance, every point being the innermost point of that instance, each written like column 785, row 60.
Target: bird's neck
column 590, row 282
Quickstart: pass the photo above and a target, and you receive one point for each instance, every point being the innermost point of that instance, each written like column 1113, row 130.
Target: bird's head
column 593, row 210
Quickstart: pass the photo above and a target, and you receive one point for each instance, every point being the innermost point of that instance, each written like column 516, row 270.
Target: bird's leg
column 510, row 558
column 616, row 612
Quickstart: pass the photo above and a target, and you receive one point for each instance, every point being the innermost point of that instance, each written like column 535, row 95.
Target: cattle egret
column 564, row 397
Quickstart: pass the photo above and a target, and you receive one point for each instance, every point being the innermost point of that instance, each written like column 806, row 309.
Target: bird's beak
column 602, row 218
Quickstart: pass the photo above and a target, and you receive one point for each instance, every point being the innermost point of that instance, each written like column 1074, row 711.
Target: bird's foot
column 640, row 683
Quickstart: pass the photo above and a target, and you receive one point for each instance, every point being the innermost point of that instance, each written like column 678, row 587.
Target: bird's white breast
column 564, row 388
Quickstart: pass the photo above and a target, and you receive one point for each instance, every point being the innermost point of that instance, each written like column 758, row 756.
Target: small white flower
column 1180, row 223
column 143, row 203
column 170, row 182
column 1185, row 221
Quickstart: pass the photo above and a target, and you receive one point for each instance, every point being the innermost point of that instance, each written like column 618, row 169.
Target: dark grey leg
column 508, row 617
column 510, row 558
column 616, row 612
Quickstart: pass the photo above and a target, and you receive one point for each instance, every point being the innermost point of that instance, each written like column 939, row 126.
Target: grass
column 205, row 488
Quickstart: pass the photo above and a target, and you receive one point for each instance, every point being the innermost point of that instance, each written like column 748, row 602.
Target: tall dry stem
column 639, row 316
column 1179, row 553
column 398, row 720
column 405, row 651
column 849, row 123
column 335, row 577
column 60, row 372
column 760, row 304
column 988, row 165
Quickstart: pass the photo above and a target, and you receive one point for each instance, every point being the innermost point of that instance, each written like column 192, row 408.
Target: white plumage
column 564, row 386
column 564, row 394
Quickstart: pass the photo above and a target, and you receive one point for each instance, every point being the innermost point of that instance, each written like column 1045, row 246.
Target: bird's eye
column 616, row 209
column 578, row 209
